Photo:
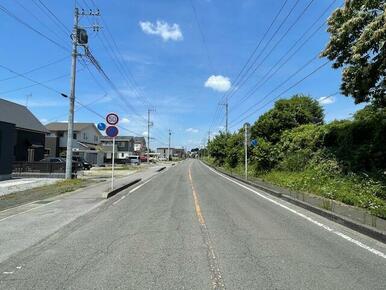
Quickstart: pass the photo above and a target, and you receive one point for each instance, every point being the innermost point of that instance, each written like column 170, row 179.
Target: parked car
column 163, row 159
column 75, row 164
column 83, row 163
column 134, row 160
column 143, row 158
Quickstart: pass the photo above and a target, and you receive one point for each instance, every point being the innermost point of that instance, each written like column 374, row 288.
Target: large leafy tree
column 287, row 114
column 217, row 148
column 358, row 44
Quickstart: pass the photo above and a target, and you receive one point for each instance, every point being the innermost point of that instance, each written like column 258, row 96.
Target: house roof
column 140, row 139
column 20, row 116
column 62, row 126
column 120, row 138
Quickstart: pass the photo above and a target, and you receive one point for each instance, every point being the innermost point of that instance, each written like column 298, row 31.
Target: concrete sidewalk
column 20, row 184
column 25, row 225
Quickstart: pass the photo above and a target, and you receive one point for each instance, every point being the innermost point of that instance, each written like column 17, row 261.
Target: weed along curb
column 119, row 189
column 355, row 218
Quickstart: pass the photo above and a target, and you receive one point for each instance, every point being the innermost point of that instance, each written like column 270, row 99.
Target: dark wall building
column 26, row 135
column 7, row 143
column 29, row 145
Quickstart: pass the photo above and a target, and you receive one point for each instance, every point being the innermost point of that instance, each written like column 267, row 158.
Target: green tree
column 234, row 149
column 357, row 43
column 217, row 148
column 287, row 114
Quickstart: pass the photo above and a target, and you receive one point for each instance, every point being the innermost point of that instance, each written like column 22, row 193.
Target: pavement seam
column 215, row 273
column 327, row 228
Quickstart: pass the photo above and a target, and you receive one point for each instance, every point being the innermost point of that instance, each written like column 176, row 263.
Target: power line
column 285, row 91
column 203, row 39
column 12, row 15
column 275, row 45
column 56, row 20
column 115, row 54
column 242, row 71
column 37, row 68
column 279, row 64
column 309, row 62
column 38, row 19
column 35, row 84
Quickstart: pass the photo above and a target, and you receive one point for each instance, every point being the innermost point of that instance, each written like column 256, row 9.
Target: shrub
column 264, row 156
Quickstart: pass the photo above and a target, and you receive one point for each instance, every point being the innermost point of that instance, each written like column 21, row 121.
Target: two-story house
column 85, row 141
column 124, row 147
column 140, row 145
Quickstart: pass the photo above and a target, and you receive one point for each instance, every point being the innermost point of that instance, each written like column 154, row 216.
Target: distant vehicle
column 75, row 164
column 143, row 158
column 135, row 160
column 163, row 159
column 83, row 163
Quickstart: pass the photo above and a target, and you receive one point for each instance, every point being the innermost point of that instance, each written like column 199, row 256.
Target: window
column 84, row 136
column 74, row 136
column 122, row 154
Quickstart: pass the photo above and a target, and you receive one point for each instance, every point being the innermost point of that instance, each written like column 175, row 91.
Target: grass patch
column 42, row 192
column 349, row 189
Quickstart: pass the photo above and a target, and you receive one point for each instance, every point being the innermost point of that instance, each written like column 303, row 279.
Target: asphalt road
column 191, row 228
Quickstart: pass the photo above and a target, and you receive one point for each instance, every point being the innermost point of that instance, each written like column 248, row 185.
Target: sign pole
column 112, row 165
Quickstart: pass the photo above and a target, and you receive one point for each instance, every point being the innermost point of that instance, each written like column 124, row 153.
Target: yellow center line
column 196, row 201
column 215, row 273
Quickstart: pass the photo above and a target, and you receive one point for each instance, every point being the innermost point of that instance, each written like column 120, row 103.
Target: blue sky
column 182, row 62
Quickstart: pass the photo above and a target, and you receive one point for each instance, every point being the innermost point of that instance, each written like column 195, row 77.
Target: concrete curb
column 160, row 169
column 361, row 228
column 119, row 189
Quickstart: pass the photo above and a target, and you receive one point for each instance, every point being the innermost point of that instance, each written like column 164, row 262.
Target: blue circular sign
column 101, row 126
column 112, row 131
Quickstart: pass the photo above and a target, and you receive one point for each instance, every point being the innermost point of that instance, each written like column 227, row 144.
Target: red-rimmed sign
column 112, row 119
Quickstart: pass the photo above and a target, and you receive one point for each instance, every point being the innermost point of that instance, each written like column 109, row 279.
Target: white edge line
column 139, row 186
column 115, row 202
column 327, row 228
column 19, row 213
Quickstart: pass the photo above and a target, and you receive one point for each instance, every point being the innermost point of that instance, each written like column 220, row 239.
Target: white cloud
column 326, row 100
column 144, row 133
column 162, row 29
column 218, row 83
column 192, row 130
column 125, row 121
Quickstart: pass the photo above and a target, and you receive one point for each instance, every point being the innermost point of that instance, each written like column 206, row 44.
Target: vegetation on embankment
column 343, row 160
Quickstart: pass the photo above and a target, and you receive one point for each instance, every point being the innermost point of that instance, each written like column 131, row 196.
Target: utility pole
column 70, row 129
column 27, row 97
column 246, row 141
column 226, row 105
column 207, row 147
column 149, row 124
column 79, row 37
column 170, row 134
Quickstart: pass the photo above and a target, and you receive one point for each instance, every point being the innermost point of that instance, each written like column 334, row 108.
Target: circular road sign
column 112, row 131
column 101, row 126
column 112, row 119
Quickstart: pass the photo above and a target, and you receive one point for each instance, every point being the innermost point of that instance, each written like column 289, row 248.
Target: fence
column 38, row 167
